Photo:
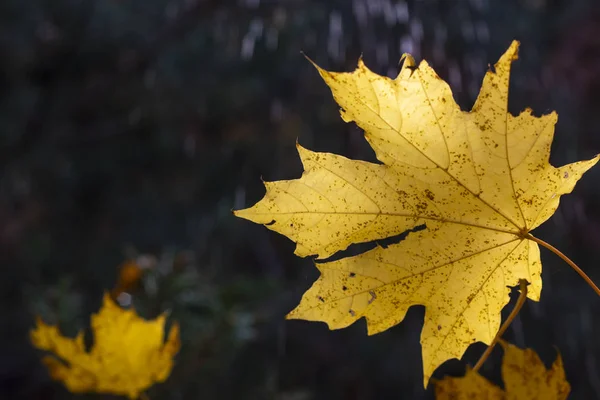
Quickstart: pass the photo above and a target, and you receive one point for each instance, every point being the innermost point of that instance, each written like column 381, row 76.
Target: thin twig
column 522, row 296
column 567, row 260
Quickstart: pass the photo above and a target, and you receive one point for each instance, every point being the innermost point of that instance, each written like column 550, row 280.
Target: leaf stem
column 565, row 259
column 521, row 300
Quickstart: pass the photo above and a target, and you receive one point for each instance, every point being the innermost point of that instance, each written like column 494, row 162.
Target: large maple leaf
column 525, row 378
column 479, row 181
column 128, row 355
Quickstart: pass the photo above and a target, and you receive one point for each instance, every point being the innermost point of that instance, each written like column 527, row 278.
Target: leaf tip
column 303, row 153
column 106, row 298
column 361, row 61
column 407, row 61
column 293, row 314
column 322, row 72
column 511, row 54
column 240, row 213
column 39, row 321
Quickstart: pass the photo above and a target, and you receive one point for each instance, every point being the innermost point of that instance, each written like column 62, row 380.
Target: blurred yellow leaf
column 130, row 274
column 525, row 378
column 479, row 182
column 128, row 356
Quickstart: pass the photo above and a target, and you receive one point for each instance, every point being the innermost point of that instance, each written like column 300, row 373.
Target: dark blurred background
column 131, row 128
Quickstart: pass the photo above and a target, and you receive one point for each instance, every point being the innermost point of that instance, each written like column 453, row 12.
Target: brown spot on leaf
column 373, row 296
column 429, row 194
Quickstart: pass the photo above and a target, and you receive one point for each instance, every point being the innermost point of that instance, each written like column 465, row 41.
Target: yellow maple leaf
column 479, row 181
column 128, row 355
column 525, row 378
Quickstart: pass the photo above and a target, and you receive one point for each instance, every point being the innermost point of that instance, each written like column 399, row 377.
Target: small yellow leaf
column 470, row 387
column 525, row 378
column 128, row 356
column 479, row 182
column 130, row 274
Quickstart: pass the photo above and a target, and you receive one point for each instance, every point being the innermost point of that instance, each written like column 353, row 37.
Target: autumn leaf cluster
column 477, row 182
column 525, row 378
